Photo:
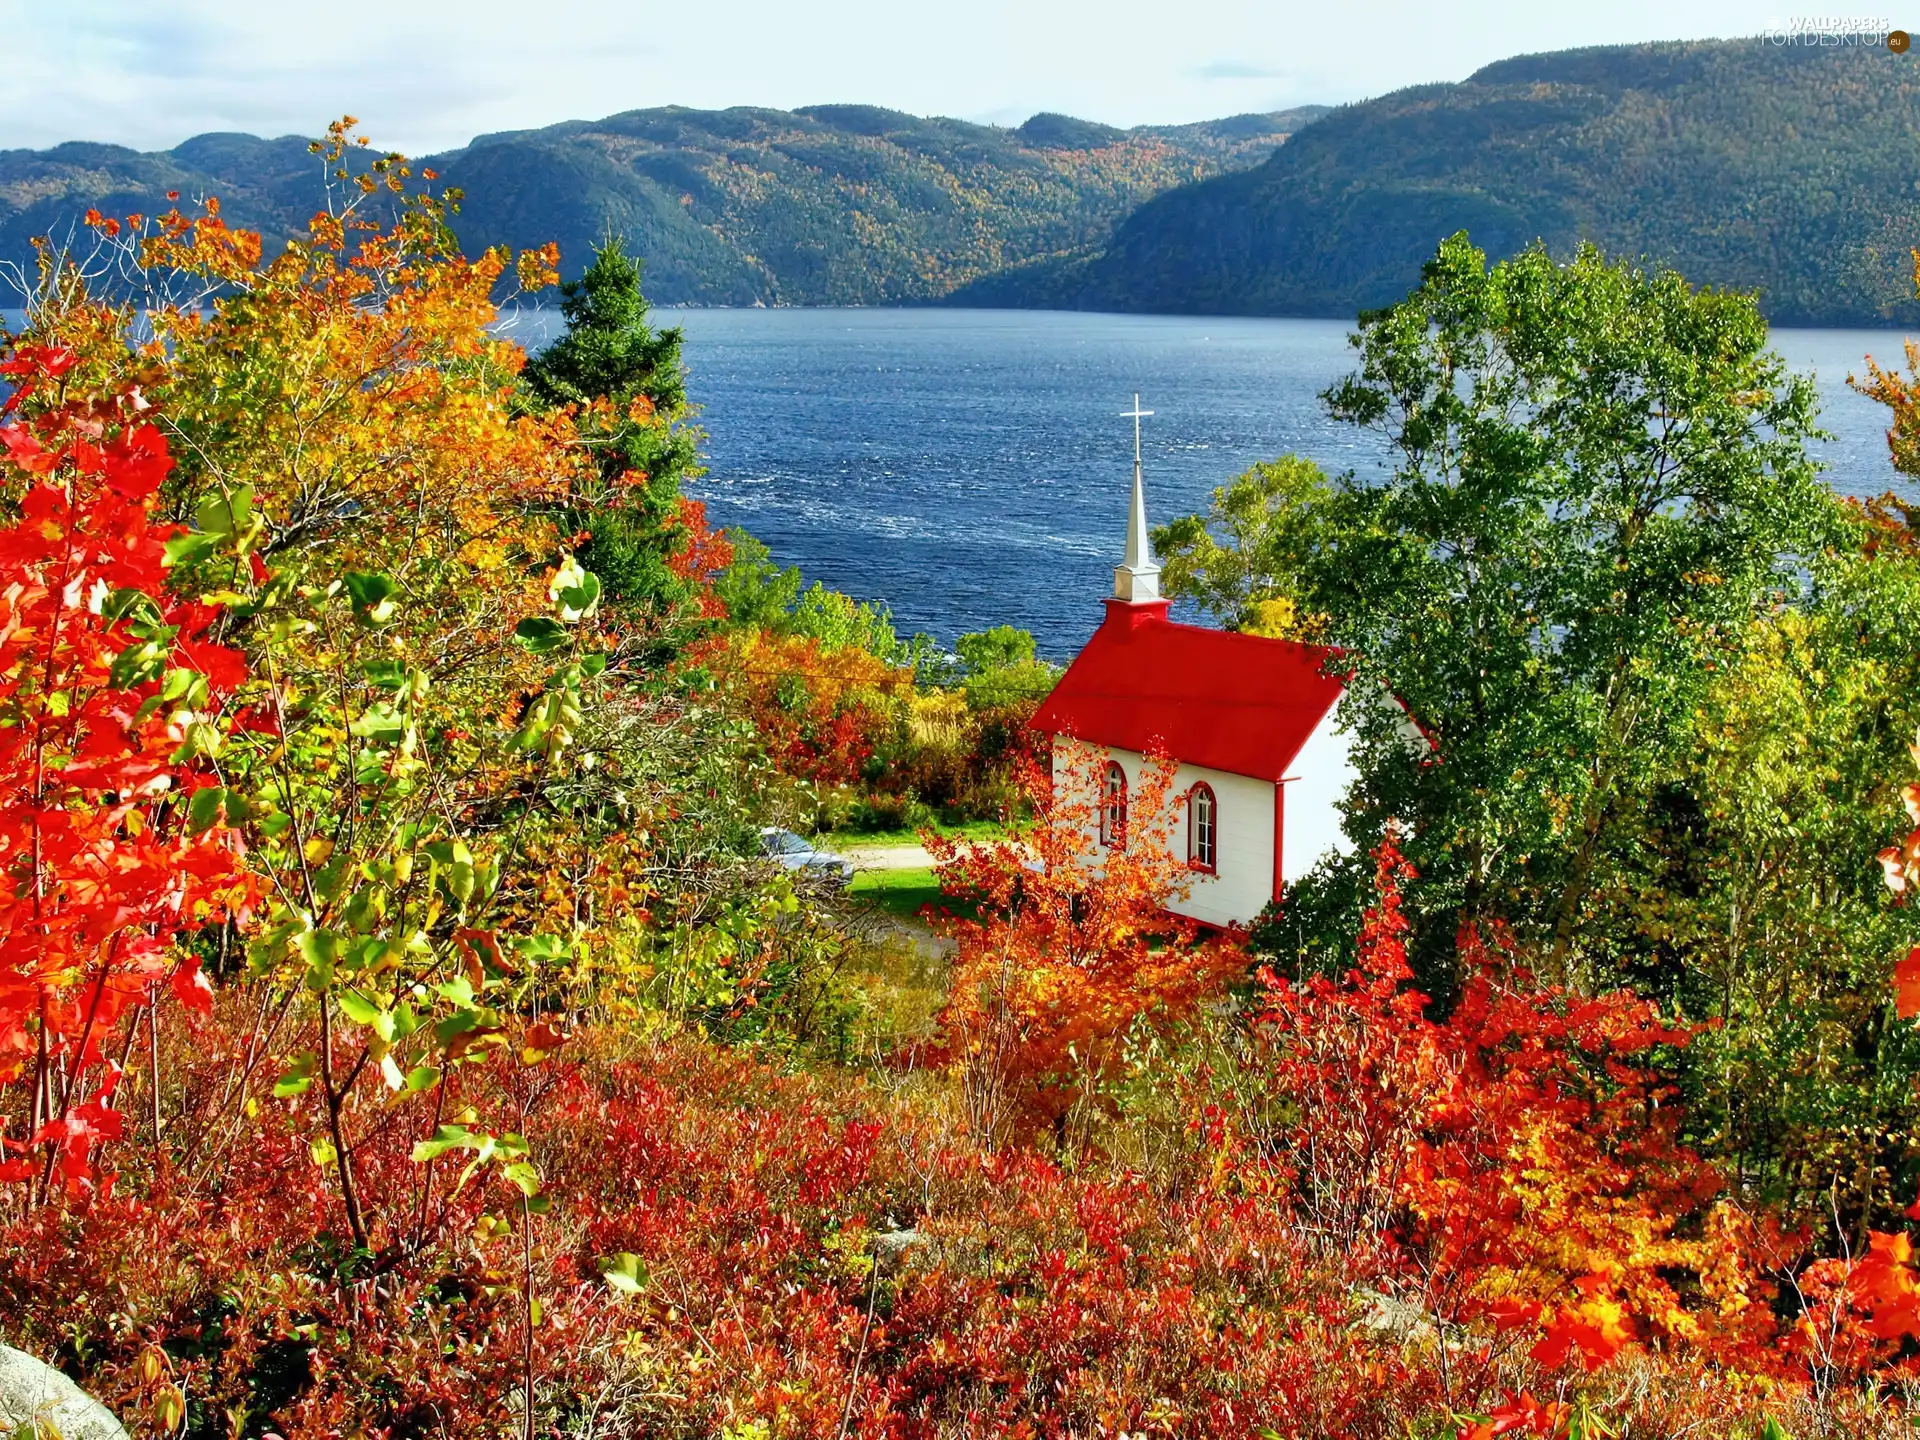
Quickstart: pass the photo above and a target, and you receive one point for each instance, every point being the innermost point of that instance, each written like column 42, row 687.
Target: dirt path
column 887, row 857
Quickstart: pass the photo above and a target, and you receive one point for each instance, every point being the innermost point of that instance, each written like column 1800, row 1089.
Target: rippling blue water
column 969, row 468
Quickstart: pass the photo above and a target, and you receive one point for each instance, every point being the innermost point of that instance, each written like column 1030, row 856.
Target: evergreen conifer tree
column 611, row 353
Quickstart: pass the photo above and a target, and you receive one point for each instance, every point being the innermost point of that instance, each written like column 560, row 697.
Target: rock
column 1393, row 1317
column 891, row 1244
column 31, row 1390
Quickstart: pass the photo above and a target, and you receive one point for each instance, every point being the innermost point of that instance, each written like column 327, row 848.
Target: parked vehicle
column 796, row 852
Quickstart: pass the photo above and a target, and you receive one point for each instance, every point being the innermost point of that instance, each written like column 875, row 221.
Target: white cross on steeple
column 1137, row 578
column 1136, row 414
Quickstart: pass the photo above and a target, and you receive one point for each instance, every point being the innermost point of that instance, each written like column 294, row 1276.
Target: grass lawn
column 903, row 892
column 898, row 892
column 886, row 839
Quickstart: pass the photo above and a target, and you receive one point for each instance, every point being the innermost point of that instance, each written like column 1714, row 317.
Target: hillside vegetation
column 411, row 1026
column 832, row 205
column 1795, row 172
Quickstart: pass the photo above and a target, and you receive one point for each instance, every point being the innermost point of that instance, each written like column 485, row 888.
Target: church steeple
column 1137, row 579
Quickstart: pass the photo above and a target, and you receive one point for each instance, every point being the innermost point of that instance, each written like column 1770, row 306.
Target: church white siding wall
column 1243, row 879
column 1315, row 784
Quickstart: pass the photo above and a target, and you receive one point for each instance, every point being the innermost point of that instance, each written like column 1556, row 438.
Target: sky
column 427, row 75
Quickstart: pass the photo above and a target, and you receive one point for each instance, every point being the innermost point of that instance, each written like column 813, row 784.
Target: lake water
column 970, row 468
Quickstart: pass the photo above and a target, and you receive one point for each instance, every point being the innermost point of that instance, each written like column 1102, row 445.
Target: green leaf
column 574, row 591
column 422, row 1077
column 374, row 597
column 322, row 1151
column 133, row 604
column 524, row 1178
column 222, row 515
column 141, row 662
column 182, row 548
column 206, row 808
column 540, row 947
column 446, row 1031
column 357, row 1007
column 379, row 723
column 579, row 601
column 453, row 870
column 593, row 665
column 202, row 739
column 624, row 1273
column 447, row 1137
column 386, row 674
column 298, row 1077
column 184, row 685
column 320, row 949
column 542, row 635
column 549, row 724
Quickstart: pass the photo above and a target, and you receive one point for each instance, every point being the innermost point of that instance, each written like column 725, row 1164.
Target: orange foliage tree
column 821, row 713
column 1073, row 947
column 1512, row 1168
column 367, row 504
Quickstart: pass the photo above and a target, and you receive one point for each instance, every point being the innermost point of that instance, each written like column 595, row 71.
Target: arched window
column 1113, row 809
column 1203, row 829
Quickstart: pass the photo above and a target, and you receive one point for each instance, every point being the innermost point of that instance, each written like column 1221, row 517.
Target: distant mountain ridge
column 831, row 204
column 1793, row 171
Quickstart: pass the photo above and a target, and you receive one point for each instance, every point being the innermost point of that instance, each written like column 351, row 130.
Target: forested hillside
column 836, row 204
column 1792, row 171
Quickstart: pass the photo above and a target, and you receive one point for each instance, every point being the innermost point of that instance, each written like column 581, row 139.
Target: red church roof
column 1244, row 704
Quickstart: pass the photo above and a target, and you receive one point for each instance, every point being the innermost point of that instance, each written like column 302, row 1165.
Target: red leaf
column 190, row 985
column 138, row 463
column 1906, row 984
column 1592, row 1333
column 26, row 452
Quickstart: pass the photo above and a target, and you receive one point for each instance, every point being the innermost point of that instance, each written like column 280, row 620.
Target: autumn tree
column 113, row 718
column 1747, row 892
column 372, row 518
column 1513, row 1169
column 1072, row 947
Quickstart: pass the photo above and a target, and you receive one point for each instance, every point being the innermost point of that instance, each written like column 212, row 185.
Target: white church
column 1262, row 765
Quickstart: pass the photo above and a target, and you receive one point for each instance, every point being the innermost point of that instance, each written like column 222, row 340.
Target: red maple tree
column 110, row 693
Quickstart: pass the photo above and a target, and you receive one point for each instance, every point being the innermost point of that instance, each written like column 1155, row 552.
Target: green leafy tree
column 1598, row 475
column 761, row 595
column 629, row 384
column 1748, row 895
column 840, row 622
column 1000, row 671
column 756, row 591
column 1000, row 648
column 1245, row 559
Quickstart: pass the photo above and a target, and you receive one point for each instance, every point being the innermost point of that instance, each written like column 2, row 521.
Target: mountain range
column 830, row 205
column 1794, row 171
